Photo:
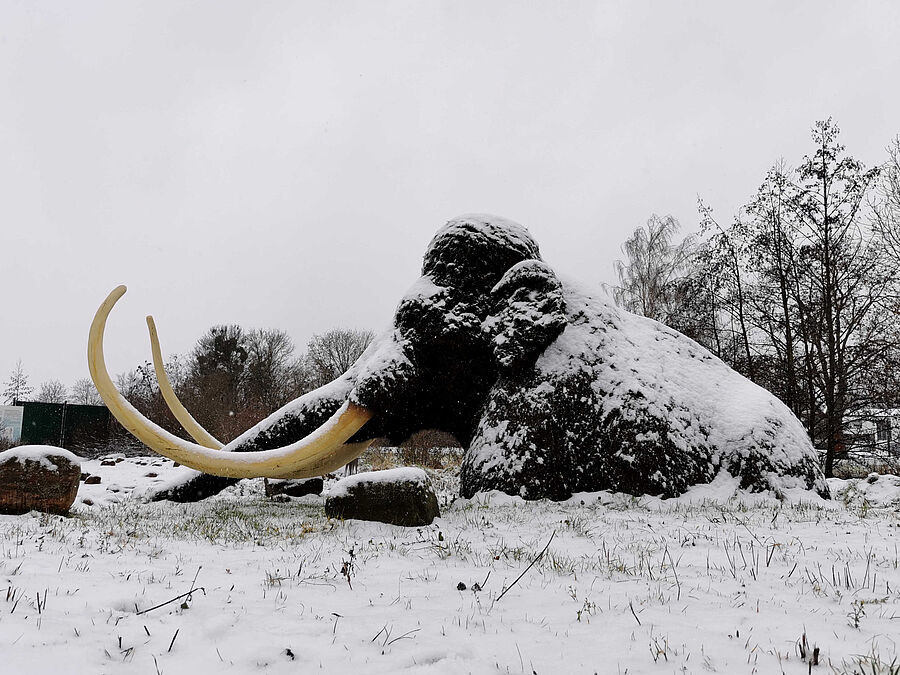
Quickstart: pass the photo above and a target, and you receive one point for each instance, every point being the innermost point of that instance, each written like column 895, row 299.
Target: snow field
column 715, row 581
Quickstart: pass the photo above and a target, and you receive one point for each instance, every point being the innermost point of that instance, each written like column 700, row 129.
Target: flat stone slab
column 293, row 487
column 38, row 478
column 396, row 496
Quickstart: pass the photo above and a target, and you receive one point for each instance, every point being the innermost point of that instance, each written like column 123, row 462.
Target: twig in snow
column 179, row 597
column 633, row 613
column 169, row 602
column 172, row 643
column 195, row 576
column 533, row 562
column 407, row 634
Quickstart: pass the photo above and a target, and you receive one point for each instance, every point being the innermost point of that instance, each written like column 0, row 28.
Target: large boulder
column 38, row 478
column 395, row 496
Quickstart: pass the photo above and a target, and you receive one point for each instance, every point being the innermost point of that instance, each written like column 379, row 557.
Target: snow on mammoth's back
column 660, row 413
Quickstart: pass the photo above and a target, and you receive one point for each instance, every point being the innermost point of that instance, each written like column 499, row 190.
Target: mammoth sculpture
column 550, row 390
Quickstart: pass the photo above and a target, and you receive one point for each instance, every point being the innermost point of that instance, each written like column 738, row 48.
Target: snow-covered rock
column 293, row 488
column 394, row 496
column 38, row 478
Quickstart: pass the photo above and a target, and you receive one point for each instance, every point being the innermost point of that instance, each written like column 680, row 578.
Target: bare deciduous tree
column 52, row 391
column 887, row 206
column 650, row 275
column 847, row 279
column 84, row 392
column 771, row 258
column 269, row 376
column 330, row 354
column 212, row 386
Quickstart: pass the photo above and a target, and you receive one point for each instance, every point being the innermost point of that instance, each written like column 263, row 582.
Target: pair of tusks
column 324, row 450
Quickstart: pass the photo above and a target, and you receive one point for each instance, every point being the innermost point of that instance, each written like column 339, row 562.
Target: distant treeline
column 234, row 377
column 799, row 292
column 229, row 381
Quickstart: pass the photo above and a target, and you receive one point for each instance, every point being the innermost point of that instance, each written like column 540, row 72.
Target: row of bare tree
column 17, row 388
column 234, row 377
column 230, row 380
column 799, row 292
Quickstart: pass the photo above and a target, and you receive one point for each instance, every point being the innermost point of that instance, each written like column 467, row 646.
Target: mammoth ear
column 528, row 313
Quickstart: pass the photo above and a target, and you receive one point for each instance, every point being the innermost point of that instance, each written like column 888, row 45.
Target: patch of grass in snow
column 665, row 573
column 579, row 525
column 867, row 664
column 118, row 526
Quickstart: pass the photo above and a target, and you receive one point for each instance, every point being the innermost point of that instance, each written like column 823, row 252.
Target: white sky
column 284, row 164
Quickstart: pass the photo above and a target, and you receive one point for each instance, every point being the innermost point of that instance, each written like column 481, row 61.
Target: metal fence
column 66, row 425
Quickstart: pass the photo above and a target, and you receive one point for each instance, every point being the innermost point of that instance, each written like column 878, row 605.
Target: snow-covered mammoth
column 550, row 390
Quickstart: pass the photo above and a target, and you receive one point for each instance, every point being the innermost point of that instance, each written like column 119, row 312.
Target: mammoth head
column 483, row 288
column 485, row 306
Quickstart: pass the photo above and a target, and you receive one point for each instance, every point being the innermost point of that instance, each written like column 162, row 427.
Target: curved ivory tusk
column 185, row 419
column 321, row 451
column 354, row 450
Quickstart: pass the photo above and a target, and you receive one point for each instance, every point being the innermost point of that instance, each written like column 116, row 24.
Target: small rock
column 460, row 586
column 293, row 487
column 107, row 462
column 87, row 501
column 396, row 496
column 150, row 474
column 92, row 480
column 38, row 477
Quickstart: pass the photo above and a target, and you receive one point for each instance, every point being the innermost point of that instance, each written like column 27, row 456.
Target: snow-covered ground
column 715, row 581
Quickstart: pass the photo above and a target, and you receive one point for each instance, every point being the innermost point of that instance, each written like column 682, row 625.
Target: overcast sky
column 285, row 164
